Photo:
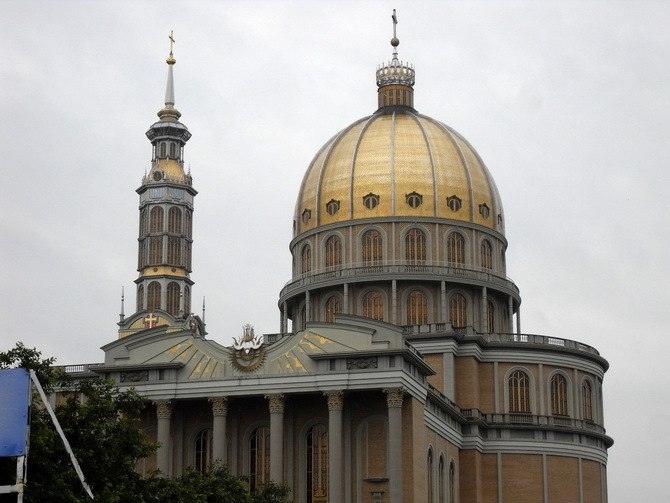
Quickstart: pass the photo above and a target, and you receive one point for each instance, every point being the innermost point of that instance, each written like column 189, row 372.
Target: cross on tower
column 171, row 37
column 395, row 22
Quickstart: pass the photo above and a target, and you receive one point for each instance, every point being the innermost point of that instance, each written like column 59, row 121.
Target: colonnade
column 276, row 408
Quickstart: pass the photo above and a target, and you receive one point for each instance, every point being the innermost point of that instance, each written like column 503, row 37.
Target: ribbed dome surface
column 396, row 156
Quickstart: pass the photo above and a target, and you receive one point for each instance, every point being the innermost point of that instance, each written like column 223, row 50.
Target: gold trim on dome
column 164, row 271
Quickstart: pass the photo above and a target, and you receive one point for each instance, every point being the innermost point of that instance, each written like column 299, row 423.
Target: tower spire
column 170, row 113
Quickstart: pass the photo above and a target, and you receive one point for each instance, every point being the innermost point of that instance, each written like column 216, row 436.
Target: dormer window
column 162, row 150
column 414, row 199
column 370, row 201
column 173, row 150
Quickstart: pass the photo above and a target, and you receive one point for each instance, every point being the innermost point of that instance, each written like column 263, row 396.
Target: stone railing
column 522, row 419
column 344, row 274
column 80, row 368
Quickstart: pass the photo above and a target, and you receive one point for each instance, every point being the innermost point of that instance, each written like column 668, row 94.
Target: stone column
column 394, row 303
column 484, row 316
column 164, row 413
column 308, row 308
column 394, row 399
column 443, row 302
column 345, row 302
column 276, row 403
column 510, row 314
column 335, row 405
column 219, row 413
column 518, row 320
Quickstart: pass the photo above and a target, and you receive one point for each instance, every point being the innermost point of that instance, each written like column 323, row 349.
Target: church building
column 400, row 373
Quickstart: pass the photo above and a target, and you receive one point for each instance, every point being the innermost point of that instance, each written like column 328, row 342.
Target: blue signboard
column 14, row 412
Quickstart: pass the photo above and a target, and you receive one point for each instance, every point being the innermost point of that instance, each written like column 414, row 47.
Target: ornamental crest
column 248, row 352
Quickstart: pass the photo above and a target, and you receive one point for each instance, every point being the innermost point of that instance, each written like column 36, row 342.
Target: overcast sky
column 568, row 103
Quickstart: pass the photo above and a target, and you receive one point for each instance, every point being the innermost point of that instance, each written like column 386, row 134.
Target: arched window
column 452, row 483
column 431, row 483
column 518, row 386
column 156, row 219
column 317, row 464
column 203, row 451
column 559, row 395
column 486, row 255
column 144, row 222
column 333, row 307
column 417, row 308
column 173, row 150
column 142, row 252
column 259, row 457
column 373, row 305
column 174, row 220
column 415, row 246
column 140, row 297
column 153, row 296
column 155, row 250
column 173, row 298
column 587, row 401
column 333, row 251
column 372, row 247
column 174, row 250
column 187, row 223
column 458, row 311
column 441, row 480
column 187, row 255
column 306, row 259
column 187, row 299
column 490, row 316
column 456, row 248
column 163, row 149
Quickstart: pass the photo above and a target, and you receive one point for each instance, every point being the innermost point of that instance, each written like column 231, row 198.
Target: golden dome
column 397, row 163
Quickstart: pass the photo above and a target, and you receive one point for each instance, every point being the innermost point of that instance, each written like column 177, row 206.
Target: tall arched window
column 559, row 395
column 142, row 252
column 452, row 483
column 156, row 219
column 441, row 480
column 417, row 308
column 431, row 482
column 373, row 305
column 155, row 250
column 490, row 316
column 187, row 255
column 174, row 251
column 458, row 311
column 174, row 220
column 333, row 307
column 486, row 255
column 372, row 247
column 173, row 298
column 415, row 246
column 317, row 464
column 187, row 223
column 187, row 299
column 140, row 297
column 144, row 222
column 203, row 451
column 153, row 296
column 259, row 457
column 456, row 248
column 333, row 251
column 587, row 401
column 306, row 259
column 518, row 387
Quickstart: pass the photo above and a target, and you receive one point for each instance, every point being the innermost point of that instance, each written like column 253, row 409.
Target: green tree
column 101, row 425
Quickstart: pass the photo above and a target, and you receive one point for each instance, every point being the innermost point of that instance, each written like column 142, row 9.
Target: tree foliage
column 101, row 424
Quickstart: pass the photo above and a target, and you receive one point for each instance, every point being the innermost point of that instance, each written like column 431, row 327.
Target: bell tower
column 166, row 221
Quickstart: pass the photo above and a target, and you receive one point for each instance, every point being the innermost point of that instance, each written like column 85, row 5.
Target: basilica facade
column 400, row 373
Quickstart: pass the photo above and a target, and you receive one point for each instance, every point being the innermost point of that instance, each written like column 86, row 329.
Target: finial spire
column 395, row 79
column 169, row 91
column 122, row 316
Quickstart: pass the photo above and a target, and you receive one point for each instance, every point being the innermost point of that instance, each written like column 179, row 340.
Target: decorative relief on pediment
column 362, row 363
column 248, row 352
column 137, row 376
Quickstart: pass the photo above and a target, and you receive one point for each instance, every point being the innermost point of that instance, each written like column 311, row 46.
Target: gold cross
column 150, row 321
column 171, row 37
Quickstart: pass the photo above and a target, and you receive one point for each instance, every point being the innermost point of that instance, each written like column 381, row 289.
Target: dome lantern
column 395, row 79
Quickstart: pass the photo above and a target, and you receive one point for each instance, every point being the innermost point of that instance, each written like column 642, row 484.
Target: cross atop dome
column 395, row 79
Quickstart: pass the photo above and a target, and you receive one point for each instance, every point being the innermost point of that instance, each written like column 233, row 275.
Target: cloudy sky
column 568, row 103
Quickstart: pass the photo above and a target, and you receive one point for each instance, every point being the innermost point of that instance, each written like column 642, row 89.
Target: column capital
column 394, row 397
column 163, row 409
column 335, row 399
column 219, row 406
column 276, row 403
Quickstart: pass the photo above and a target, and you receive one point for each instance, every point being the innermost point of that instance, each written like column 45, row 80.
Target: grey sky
column 568, row 103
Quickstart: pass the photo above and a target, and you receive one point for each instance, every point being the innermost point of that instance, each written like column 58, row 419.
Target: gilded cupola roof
column 397, row 163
